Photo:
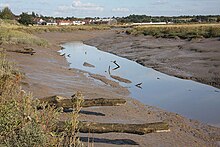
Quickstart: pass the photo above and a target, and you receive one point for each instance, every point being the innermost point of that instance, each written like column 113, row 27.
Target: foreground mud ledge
column 47, row 73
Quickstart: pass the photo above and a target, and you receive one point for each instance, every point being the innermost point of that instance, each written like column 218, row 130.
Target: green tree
column 33, row 14
column 26, row 19
column 6, row 14
column 218, row 19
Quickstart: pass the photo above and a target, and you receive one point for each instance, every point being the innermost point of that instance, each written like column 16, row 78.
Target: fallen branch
column 109, row 70
column 140, row 129
column 105, row 80
column 86, row 64
column 31, row 52
column 139, row 85
column 120, row 79
column 59, row 101
column 118, row 66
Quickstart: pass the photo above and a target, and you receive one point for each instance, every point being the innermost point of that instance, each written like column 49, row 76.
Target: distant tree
column 218, row 19
column 26, row 19
column 33, row 14
column 6, row 14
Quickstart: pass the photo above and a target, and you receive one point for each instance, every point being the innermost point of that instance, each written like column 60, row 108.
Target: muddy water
column 188, row 98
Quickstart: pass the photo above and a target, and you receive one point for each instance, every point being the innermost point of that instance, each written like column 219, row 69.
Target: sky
column 109, row 8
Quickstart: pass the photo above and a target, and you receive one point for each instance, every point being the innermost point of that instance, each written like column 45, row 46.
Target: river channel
column 188, row 98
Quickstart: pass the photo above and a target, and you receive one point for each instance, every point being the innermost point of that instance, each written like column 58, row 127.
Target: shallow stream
column 188, row 98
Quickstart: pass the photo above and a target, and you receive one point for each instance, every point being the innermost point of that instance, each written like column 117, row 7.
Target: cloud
column 65, row 9
column 44, row 2
column 160, row 2
column 120, row 10
column 3, row 5
column 78, row 5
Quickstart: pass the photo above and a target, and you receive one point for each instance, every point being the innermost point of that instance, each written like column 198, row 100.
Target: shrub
column 21, row 123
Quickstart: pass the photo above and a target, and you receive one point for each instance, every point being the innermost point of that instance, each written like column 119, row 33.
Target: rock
column 121, row 79
column 88, row 65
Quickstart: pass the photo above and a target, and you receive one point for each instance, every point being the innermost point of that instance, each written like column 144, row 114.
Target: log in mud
column 29, row 51
column 139, row 129
column 120, row 79
column 59, row 101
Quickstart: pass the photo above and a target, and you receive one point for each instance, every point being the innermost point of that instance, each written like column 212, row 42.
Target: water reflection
column 189, row 98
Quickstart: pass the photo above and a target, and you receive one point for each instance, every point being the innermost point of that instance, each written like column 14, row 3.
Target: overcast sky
column 109, row 8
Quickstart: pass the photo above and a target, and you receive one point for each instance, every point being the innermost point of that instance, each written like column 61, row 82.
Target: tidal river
column 188, row 98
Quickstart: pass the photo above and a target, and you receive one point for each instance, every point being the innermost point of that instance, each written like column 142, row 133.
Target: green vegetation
column 12, row 36
column 6, row 14
column 175, row 19
column 26, row 19
column 22, row 124
column 181, row 31
column 40, row 29
column 12, row 32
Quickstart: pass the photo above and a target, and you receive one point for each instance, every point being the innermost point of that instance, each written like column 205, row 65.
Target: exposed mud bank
column 198, row 59
column 47, row 73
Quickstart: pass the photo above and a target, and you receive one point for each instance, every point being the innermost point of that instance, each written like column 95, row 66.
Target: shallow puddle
column 188, row 98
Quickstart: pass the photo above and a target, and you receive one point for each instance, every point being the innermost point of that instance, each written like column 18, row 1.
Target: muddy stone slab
column 88, row 65
column 120, row 79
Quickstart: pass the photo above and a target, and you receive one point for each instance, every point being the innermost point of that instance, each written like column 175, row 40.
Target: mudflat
column 47, row 73
column 195, row 59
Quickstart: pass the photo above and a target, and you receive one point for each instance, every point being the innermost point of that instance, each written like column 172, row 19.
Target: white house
column 152, row 23
column 51, row 23
column 64, row 22
column 79, row 23
column 109, row 21
column 41, row 22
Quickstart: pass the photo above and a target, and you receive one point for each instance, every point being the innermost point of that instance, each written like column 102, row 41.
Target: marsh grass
column 12, row 32
column 13, row 36
column 181, row 31
column 21, row 123
column 40, row 29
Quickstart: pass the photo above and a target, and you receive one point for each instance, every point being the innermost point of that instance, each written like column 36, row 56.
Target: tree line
column 30, row 19
column 175, row 19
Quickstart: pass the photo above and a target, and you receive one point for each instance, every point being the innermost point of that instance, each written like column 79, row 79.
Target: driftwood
column 59, row 101
column 86, row 64
column 118, row 66
column 109, row 70
column 120, row 79
column 105, row 80
column 139, row 85
column 140, row 129
column 24, row 51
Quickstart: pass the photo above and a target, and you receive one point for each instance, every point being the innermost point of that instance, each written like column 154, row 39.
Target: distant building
column 51, row 22
column 152, row 23
column 64, row 22
column 108, row 21
column 77, row 22
column 40, row 21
